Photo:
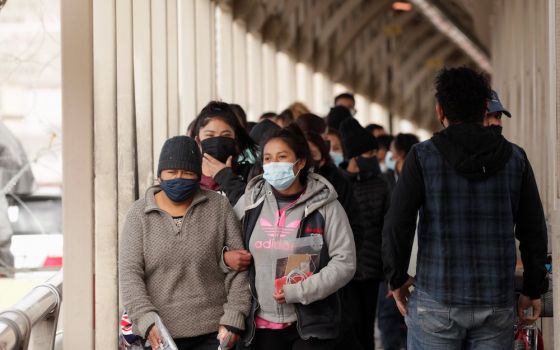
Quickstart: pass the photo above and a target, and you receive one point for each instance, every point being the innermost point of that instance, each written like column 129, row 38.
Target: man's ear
column 440, row 114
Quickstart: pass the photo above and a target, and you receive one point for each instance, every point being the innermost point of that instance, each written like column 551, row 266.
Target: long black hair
column 320, row 143
column 224, row 112
column 296, row 141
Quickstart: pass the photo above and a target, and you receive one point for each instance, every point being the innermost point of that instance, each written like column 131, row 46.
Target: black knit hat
column 337, row 115
column 355, row 139
column 262, row 130
column 180, row 153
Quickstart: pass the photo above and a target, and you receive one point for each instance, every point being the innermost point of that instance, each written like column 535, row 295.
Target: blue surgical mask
column 389, row 161
column 179, row 190
column 337, row 158
column 279, row 175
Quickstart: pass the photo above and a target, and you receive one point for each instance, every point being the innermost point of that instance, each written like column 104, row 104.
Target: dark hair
column 268, row 115
column 250, row 126
column 462, row 93
column 310, row 122
column 337, row 134
column 318, row 141
column 384, row 141
column 223, row 111
column 285, row 116
column 296, row 141
column 239, row 113
column 345, row 95
column 404, row 142
column 372, row 127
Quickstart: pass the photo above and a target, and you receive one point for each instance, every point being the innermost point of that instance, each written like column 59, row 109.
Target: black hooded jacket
column 476, row 153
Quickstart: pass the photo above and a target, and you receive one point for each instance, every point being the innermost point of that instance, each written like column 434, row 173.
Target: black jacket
column 476, row 154
column 372, row 196
column 233, row 184
column 391, row 180
column 343, row 186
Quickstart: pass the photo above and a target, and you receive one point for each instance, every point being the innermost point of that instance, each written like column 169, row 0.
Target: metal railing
column 32, row 322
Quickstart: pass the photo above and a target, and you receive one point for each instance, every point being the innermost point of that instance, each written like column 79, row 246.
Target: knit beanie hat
column 263, row 129
column 337, row 115
column 180, row 153
column 355, row 139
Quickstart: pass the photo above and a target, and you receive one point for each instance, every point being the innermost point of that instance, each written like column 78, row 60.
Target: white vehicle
column 37, row 233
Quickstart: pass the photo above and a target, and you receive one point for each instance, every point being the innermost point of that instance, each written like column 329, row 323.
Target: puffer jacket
column 372, row 196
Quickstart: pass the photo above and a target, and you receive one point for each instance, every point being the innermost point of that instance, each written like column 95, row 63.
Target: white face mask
column 280, row 175
column 390, row 162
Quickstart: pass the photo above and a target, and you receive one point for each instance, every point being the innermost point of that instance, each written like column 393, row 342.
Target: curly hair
column 462, row 93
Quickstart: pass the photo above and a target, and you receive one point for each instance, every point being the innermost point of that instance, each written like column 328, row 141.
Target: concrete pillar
column 105, row 169
column 77, row 128
column 205, row 53
column 174, row 126
column 142, row 47
column 159, row 77
column 270, row 78
column 304, row 84
column 286, row 71
column 240, row 74
column 553, row 106
column 254, row 76
column 224, row 55
column 524, row 61
column 187, row 63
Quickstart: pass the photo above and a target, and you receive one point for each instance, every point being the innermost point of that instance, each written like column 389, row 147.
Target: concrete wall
column 524, row 38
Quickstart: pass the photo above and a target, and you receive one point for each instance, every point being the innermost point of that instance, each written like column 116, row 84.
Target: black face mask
column 368, row 165
column 219, row 147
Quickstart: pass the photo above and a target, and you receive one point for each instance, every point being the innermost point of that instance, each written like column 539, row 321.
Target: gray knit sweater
column 175, row 272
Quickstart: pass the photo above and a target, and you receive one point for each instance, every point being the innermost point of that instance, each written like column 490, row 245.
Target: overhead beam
column 334, row 22
column 441, row 54
column 400, row 21
column 373, row 9
column 464, row 40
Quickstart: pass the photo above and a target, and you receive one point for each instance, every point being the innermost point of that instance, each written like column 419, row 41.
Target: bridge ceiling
column 387, row 55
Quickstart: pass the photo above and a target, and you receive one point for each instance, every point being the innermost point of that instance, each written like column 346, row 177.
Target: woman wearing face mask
column 394, row 160
column 285, row 204
column 228, row 151
column 372, row 198
column 337, row 150
column 169, row 257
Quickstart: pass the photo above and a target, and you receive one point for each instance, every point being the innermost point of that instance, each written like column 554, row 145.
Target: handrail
column 41, row 303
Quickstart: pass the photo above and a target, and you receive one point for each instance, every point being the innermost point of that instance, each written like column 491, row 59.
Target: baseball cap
column 494, row 105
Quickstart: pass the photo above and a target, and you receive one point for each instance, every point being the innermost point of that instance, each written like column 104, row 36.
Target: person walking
column 170, row 257
column 372, row 197
column 475, row 192
column 295, row 292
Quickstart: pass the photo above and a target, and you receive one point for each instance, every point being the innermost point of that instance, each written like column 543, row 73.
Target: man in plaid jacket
column 475, row 193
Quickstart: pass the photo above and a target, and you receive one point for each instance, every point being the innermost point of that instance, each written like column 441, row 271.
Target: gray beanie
column 180, row 153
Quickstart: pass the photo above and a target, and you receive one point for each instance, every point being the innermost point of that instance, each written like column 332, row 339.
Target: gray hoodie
column 320, row 211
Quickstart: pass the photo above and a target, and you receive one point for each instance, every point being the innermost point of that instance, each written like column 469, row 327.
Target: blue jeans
column 434, row 326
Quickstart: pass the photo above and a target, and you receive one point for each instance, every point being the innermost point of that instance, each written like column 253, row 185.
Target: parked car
column 37, row 241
